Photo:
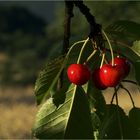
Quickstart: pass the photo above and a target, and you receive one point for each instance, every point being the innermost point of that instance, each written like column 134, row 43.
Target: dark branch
column 95, row 28
column 67, row 22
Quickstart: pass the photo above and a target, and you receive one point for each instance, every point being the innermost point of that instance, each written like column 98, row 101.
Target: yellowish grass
column 17, row 112
column 16, row 121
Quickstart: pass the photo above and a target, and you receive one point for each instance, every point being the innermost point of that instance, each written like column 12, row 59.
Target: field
column 18, row 108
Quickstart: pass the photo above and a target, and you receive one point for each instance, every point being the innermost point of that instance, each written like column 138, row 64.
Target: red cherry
column 78, row 74
column 111, row 75
column 97, row 79
column 124, row 63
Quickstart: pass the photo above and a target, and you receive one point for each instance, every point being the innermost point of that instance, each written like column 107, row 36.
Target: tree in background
column 23, row 42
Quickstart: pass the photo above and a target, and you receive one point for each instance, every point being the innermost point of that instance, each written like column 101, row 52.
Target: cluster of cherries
column 107, row 76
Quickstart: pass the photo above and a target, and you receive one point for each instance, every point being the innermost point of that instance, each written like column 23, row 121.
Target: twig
column 116, row 90
column 67, row 22
column 130, row 81
column 128, row 94
column 95, row 28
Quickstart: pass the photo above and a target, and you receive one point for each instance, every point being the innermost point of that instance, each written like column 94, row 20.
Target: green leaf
column 136, row 47
column 134, row 116
column 137, row 71
column 116, row 124
column 48, row 78
column 96, row 99
column 96, row 122
column 125, row 50
column 70, row 120
column 124, row 29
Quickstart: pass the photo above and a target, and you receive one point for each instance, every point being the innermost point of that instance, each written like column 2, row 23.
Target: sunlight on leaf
column 47, row 79
column 136, row 47
column 70, row 120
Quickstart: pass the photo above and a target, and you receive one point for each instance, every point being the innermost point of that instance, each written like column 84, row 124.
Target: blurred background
column 31, row 33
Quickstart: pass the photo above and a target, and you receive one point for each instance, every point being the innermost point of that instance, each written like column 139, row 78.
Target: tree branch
column 67, row 22
column 95, row 28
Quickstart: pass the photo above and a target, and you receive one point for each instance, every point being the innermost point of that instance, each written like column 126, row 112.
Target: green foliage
column 48, row 78
column 63, row 122
column 124, row 30
column 134, row 116
column 116, row 124
column 137, row 73
column 136, row 47
column 57, row 118
column 72, row 111
column 122, row 35
column 23, row 42
column 97, row 101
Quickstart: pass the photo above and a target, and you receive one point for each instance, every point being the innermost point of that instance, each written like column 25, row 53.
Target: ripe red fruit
column 111, row 75
column 97, row 79
column 78, row 74
column 124, row 63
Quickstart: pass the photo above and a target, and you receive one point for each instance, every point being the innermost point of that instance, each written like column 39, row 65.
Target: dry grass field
column 17, row 109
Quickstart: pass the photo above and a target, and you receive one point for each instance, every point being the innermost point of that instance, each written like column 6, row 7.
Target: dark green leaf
column 126, row 51
column 70, row 120
column 96, row 99
column 122, row 35
column 134, row 116
column 116, row 124
column 48, row 78
column 137, row 71
column 124, row 29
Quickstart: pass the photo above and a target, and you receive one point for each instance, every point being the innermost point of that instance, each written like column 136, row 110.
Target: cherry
column 111, row 75
column 124, row 63
column 78, row 74
column 97, row 79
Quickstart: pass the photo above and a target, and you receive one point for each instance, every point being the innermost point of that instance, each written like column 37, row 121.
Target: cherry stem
column 103, row 58
column 91, row 55
column 82, row 49
column 111, row 50
column 117, row 103
column 98, row 48
column 78, row 42
column 94, row 44
column 129, row 81
column 128, row 94
column 116, row 90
